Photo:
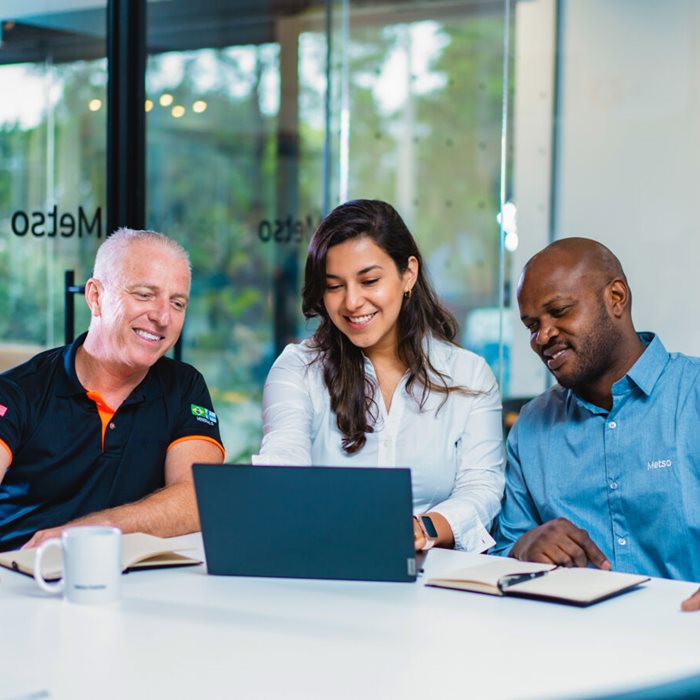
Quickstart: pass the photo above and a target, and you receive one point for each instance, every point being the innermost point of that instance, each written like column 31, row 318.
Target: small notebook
column 139, row 551
column 506, row 576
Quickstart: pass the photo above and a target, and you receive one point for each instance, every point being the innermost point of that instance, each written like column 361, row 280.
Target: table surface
column 180, row 633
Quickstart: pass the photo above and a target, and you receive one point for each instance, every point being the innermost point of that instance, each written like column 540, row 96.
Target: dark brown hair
column 422, row 315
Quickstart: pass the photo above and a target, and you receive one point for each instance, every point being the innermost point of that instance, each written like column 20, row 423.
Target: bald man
column 603, row 468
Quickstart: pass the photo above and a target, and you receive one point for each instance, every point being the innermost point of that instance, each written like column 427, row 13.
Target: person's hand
column 40, row 536
column 419, row 540
column 43, row 535
column 560, row 542
column 692, row 603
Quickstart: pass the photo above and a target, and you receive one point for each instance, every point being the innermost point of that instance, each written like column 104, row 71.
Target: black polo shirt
column 60, row 469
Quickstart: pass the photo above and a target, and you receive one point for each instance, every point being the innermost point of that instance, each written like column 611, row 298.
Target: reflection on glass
column 239, row 177
column 425, row 102
column 211, row 186
column 52, row 165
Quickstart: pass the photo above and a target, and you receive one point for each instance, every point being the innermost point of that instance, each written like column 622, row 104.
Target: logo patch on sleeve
column 203, row 414
column 3, row 410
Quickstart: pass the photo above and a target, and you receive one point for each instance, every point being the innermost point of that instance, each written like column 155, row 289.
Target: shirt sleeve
column 13, row 415
column 518, row 514
column 198, row 419
column 476, row 496
column 287, row 412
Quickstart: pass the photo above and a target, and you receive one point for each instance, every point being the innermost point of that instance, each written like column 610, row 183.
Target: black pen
column 513, row 579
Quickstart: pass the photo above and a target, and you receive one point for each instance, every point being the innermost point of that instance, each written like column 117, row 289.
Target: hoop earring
column 407, row 294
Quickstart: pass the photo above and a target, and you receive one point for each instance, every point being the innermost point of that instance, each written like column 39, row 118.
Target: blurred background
column 494, row 127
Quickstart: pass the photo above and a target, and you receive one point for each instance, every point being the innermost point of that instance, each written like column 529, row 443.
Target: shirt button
column 112, row 426
column 621, row 541
column 613, row 485
column 612, row 425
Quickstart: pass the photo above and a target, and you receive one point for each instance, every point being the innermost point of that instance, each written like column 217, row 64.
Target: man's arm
column 167, row 512
column 521, row 532
column 518, row 512
column 693, row 603
column 5, row 460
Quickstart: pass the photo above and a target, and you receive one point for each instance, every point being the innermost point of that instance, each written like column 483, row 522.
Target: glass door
column 52, row 164
column 262, row 116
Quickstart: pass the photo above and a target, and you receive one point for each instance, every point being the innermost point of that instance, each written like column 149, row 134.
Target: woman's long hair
column 422, row 315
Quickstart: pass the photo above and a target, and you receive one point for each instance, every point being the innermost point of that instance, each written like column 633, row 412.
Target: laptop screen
column 307, row 522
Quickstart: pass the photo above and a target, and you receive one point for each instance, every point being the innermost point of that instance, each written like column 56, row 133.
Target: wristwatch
column 428, row 529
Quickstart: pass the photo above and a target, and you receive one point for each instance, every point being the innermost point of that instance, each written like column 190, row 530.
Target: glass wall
column 261, row 116
column 52, row 163
column 224, row 178
column 259, row 120
column 423, row 87
column 606, row 146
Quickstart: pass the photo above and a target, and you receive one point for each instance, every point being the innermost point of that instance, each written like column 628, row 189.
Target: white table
column 183, row 634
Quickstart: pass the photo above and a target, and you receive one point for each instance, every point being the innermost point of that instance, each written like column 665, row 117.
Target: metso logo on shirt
column 660, row 464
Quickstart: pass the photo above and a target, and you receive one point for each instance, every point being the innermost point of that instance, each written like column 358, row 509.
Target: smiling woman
column 364, row 295
column 382, row 382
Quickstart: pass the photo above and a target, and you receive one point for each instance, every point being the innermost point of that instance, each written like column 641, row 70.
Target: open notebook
column 139, row 551
column 506, row 576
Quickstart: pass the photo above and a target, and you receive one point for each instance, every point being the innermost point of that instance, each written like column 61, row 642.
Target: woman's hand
column 445, row 537
column 420, row 540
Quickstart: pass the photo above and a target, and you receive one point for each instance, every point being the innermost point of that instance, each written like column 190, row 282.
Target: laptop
column 307, row 522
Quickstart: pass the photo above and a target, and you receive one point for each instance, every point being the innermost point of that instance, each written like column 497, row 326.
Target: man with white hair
column 105, row 431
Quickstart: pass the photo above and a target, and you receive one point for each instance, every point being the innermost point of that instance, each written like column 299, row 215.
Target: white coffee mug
column 91, row 564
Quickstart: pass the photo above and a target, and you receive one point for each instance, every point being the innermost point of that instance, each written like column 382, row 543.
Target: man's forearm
column 166, row 513
column 169, row 512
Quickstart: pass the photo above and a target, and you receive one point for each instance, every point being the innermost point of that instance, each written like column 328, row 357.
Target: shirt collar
column 650, row 364
column 643, row 374
column 150, row 388
column 68, row 383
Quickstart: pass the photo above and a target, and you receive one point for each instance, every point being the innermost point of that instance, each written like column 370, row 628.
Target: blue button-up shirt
column 630, row 476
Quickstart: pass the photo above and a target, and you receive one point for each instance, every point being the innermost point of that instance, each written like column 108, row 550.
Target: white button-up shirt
column 454, row 450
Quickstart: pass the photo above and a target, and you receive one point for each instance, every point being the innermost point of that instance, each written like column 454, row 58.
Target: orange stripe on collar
column 106, row 413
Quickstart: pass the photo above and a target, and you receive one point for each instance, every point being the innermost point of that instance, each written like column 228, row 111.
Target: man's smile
column 556, row 356
column 146, row 335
